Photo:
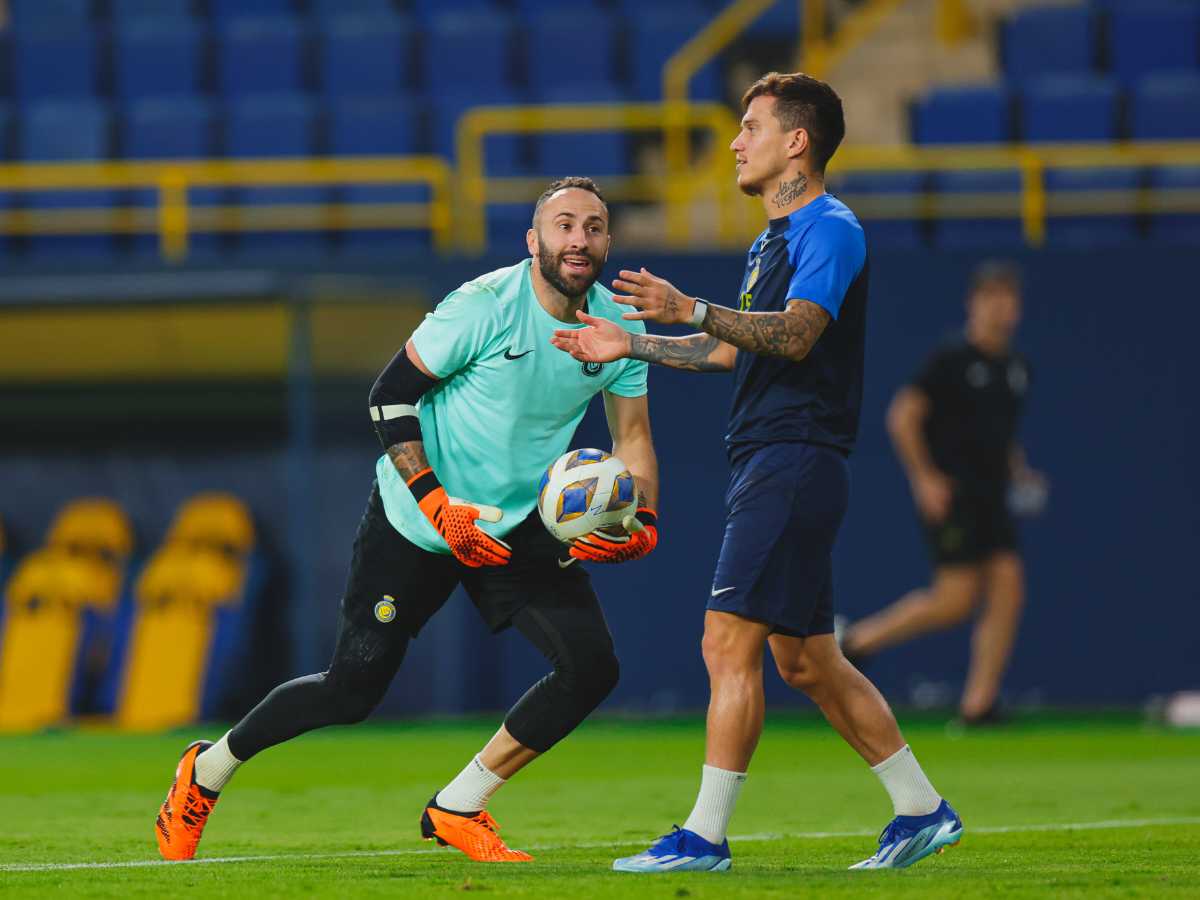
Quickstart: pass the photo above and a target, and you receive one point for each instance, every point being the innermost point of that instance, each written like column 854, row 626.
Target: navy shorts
column 785, row 504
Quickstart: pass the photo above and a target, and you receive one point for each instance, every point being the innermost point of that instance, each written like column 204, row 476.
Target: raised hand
column 601, row 341
column 654, row 298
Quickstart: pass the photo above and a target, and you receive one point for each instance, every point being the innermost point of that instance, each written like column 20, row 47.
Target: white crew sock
column 910, row 790
column 719, row 789
column 471, row 788
column 216, row 765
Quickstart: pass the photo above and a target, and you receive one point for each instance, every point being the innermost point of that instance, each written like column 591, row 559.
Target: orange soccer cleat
column 475, row 834
column 181, row 820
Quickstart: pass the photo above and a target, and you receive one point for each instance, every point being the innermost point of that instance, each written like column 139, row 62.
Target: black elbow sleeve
column 393, row 401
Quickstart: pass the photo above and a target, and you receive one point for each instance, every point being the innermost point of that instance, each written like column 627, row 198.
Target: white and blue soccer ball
column 583, row 491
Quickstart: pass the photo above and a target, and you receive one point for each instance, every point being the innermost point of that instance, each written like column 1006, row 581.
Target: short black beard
column 549, row 265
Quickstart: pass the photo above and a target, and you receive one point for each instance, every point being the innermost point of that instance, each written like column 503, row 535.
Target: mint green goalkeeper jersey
column 506, row 403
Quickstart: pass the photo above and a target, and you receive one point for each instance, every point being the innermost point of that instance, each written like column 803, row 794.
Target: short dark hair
column 561, row 184
column 995, row 273
column 802, row 101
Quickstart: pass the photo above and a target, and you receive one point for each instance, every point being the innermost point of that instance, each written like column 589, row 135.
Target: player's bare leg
column 733, row 655
column 924, row 822
column 994, row 634
column 475, row 832
column 505, row 755
column 847, row 698
column 946, row 603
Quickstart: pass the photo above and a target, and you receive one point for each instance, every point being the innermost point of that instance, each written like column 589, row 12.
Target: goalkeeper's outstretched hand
column 599, row 547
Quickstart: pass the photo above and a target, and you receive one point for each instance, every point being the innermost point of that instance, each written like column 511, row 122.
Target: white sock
column 910, row 790
column 471, row 788
column 719, row 789
column 216, row 765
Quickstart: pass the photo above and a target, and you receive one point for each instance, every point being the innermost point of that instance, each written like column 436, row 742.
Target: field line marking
column 745, row 838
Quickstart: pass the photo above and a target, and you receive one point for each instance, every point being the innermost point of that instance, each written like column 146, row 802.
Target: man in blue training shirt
column 795, row 346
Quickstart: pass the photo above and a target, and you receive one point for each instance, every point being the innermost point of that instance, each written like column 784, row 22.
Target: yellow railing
column 705, row 189
column 174, row 218
column 678, row 190
column 1033, row 204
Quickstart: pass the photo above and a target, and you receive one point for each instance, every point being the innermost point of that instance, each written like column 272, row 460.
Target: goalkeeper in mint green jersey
column 470, row 413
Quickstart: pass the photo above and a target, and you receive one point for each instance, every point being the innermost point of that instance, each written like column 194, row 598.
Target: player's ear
column 607, row 248
column 798, row 144
column 531, row 241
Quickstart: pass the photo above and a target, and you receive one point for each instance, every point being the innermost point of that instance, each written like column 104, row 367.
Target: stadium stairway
column 879, row 76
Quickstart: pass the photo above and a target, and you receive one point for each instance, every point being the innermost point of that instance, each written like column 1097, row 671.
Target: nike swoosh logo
column 723, row 591
column 508, row 354
column 563, row 563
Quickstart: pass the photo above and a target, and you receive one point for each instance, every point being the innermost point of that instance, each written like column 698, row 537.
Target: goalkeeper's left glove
column 604, row 548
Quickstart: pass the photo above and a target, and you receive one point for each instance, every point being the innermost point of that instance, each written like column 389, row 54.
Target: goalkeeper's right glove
column 454, row 520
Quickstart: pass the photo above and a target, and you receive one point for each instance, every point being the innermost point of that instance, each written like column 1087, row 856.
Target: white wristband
column 698, row 313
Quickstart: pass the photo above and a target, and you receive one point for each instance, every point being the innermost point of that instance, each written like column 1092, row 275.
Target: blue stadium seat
column 365, row 55
column 552, row 57
column 156, row 58
column 364, row 126
column 172, row 128
column 1168, row 227
column 284, row 125
column 331, row 8
column 228, row 9
column 964, row 115
column 905, row 189
column 1154, row 37
column 429, row 9
column 1051, row 40
column 58, row 64
column 596, row 153
column 56, row 14
column 132, row 10
column 656, row 35
column 261, row 56
column 477, row 46
column 531, row 10
column 376, row 126
column 1070, row 109
column 954, row 233
column 779, row 22
column 1090, row 185
column 65, row 131
column 505, row 154
column 1166, row 108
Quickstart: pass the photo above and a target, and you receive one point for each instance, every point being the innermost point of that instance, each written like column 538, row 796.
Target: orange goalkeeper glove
column 604, row 548
column 455, row 519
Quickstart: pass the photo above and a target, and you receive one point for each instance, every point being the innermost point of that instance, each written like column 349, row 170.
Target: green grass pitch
column 1083, row 806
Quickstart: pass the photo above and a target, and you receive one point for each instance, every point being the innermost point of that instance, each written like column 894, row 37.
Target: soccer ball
column 584, row 491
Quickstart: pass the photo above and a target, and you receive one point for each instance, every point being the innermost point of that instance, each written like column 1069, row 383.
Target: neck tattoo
column 789, row 191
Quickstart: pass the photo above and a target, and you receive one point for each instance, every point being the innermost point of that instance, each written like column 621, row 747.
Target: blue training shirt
column 817, row 253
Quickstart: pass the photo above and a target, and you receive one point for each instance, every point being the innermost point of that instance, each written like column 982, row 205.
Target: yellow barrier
column 1034, row 203
column 710, row 179
column 678, row 190
column 174, row 219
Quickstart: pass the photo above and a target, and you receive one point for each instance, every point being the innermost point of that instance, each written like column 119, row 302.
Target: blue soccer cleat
column 679, row 851
column 909, row 839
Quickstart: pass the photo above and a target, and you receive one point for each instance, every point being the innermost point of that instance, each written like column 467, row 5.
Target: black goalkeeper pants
column 393, row 589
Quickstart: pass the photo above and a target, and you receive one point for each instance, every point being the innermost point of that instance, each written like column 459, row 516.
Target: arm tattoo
column 408, row 458
column 789, row 191
column 790, row 334
column 691, row 353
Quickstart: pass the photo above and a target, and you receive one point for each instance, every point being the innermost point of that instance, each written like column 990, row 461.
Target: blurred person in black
column 954, row 429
